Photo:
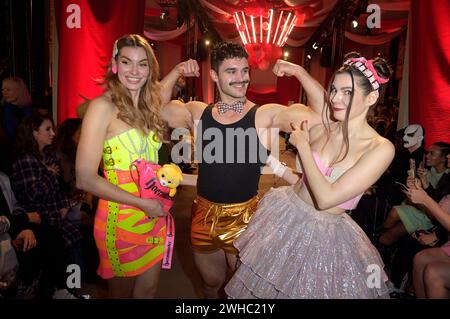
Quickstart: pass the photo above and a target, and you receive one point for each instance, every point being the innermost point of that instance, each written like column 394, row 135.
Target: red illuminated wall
column 429, row 65
column 86, row 33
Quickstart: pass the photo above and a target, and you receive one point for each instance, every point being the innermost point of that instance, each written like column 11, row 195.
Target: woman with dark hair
column 300, row 243
column 434, row 232
column 66, row 144
column 35, row 181
column 68, row 136
column 406, row 218
column 431, row 270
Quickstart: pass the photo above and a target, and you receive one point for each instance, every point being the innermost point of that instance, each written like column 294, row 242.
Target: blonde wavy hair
column 146, row 116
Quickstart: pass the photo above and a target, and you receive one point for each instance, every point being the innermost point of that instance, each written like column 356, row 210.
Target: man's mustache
column 243, row 82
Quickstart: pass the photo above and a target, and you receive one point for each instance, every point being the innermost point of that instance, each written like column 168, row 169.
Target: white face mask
column 413, row 136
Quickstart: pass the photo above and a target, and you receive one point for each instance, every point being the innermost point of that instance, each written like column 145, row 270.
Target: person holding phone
column 406, row 218
column 431, row 267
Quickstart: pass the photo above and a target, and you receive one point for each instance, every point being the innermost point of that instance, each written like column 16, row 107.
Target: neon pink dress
column 128, row 241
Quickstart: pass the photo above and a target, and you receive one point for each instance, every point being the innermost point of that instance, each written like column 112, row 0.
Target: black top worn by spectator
column 398, row 172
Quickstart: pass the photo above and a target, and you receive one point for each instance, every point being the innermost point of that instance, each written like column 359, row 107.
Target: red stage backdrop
column 87, row 30
column 429, row 69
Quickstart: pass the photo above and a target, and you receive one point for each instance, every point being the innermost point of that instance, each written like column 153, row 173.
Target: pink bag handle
column 139, row 177
column 170, row 224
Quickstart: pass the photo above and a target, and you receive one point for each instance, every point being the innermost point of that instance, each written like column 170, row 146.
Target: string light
column 257, row 31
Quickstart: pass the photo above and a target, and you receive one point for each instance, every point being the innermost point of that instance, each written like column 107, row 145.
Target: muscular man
column 233, row 142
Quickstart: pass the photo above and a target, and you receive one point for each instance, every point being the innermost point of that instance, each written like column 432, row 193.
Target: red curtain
column 429, row 66
column 87, row 30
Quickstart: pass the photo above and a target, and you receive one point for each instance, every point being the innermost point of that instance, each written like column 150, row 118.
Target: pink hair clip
column 115, row 50
column 366, row 67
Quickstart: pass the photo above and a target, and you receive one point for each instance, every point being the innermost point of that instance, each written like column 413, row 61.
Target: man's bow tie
column 223, row 107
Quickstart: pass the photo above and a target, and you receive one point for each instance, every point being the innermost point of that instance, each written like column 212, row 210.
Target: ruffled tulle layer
column 291, row 250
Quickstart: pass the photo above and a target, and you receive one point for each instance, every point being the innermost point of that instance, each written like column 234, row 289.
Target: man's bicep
column 177, row 114
column 295, row 113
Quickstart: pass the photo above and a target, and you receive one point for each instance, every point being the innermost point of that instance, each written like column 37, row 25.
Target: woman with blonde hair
column 120, row 126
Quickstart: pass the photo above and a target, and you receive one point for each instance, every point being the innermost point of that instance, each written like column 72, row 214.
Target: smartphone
column 424, row 161
column 401, row 184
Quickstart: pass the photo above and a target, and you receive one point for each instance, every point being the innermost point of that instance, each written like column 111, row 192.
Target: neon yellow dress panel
column 128, row 241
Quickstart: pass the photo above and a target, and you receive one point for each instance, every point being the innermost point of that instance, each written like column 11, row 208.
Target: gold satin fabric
column 215, row 225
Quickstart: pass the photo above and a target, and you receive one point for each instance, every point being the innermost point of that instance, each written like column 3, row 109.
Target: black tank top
column 231, row 158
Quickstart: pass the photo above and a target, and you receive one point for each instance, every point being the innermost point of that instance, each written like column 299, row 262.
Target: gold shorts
column 215, row 226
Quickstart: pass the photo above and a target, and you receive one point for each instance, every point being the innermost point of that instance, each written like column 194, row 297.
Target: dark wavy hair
column 25, row 141
column 443, row 186
column 226, row 50
column 64, row 137
column 383, row 70
column 445, row 148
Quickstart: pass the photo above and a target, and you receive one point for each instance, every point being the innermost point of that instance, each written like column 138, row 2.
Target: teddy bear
column 157, row 182
column 170, row 175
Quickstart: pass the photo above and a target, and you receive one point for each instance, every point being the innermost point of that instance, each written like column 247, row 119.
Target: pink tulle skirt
column 291, row 250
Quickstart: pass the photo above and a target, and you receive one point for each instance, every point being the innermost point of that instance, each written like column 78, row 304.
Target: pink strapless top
column 331, row 174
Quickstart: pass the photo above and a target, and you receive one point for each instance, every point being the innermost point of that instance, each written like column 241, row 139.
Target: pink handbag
column 150, row 187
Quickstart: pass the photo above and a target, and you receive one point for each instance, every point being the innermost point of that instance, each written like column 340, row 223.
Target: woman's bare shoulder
column 102, row 104
column 104, row 99
column 381, row 146
column 383, row 143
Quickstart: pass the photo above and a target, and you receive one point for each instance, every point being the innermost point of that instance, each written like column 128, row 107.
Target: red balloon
column 255, row 54
column 261, row 55
column 300, row 19
column 263, row 65
column 254, row 11
column 308, row 11
column 276, row 53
